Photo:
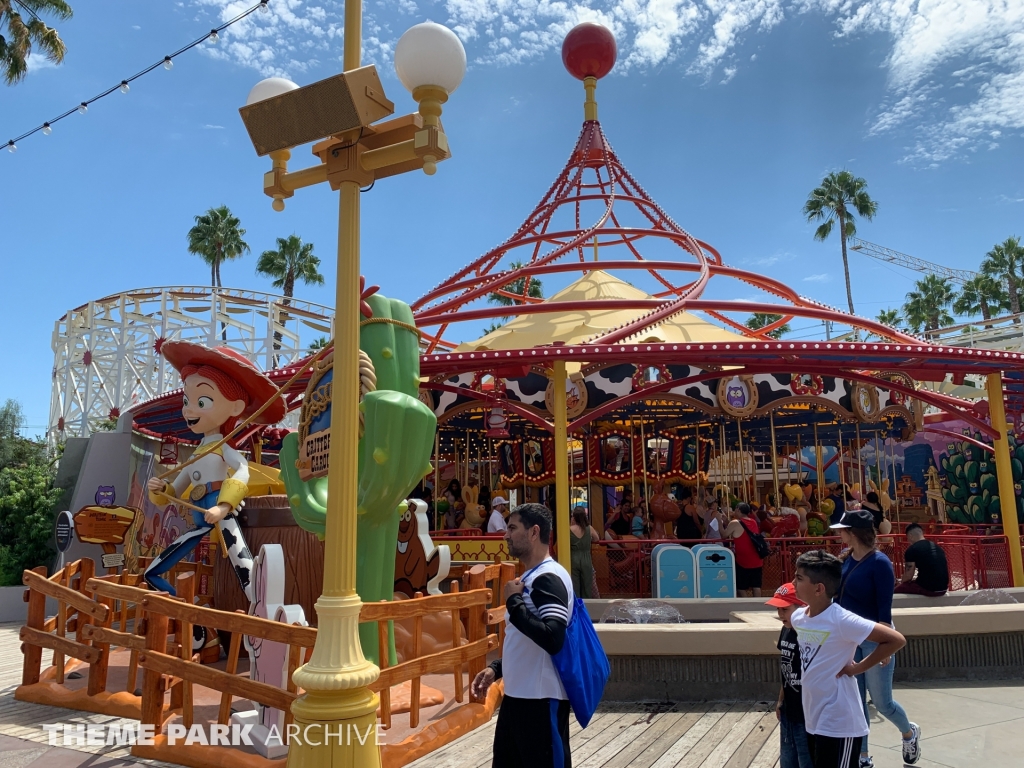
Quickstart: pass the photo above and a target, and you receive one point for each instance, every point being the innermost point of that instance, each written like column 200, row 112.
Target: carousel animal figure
column 220, row 386
column 474, row 510
column 664, row 511
column 420, row 565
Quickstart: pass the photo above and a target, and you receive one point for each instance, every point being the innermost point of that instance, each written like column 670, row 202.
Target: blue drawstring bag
column 582, row 665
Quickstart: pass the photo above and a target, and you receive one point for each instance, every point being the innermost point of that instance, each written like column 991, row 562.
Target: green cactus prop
column 394, row 454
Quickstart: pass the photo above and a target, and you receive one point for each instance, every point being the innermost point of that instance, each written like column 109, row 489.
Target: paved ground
column 964, row 724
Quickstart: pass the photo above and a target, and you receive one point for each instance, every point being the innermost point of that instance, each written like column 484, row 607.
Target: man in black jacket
column 533, row 721
column 925, row 571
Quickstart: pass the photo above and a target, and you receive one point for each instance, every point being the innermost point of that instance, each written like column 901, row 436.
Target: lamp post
column 337, row 713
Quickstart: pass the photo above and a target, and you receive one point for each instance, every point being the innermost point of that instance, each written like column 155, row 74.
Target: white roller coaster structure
column 105, row 353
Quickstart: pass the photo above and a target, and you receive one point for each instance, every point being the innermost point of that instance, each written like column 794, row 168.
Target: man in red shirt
column 748, row 564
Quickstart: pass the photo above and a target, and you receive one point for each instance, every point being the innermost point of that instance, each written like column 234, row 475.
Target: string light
column 166, row 61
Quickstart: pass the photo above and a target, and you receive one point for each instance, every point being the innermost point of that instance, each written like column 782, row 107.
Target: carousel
column 639, row 372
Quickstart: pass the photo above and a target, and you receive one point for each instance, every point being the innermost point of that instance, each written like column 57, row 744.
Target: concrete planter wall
column 13, row 607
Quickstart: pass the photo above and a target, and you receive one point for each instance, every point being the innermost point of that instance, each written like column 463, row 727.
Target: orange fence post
column 153, row 681
column 36, row 618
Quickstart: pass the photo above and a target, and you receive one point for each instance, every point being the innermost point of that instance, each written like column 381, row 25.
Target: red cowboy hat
column 234, row 364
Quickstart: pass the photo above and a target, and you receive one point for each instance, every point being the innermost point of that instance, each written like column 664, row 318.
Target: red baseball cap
column 785, row 596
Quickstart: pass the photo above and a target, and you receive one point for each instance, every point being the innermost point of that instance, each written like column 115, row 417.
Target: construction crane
column 910, row 262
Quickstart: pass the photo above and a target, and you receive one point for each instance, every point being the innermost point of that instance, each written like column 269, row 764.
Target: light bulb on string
column 214, row 37
column 47, row 130
column 264, row 6
column 83, row 108
column 124, row 86
column 168, row 64
column 11, row 147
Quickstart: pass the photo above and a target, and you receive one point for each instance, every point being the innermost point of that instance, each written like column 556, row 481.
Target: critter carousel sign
column 315, row 421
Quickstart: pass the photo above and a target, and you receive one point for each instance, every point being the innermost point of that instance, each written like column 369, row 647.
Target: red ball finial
column 589, row 51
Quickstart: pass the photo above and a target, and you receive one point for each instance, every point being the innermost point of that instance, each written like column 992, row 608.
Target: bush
column 27, row 511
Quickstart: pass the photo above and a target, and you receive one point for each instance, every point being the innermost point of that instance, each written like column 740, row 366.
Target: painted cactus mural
column 971, row 491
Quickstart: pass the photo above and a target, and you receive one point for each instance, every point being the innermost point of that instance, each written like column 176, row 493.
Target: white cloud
column 955, row 67
column 822, row 278
column 213, row 127
column 36, row 62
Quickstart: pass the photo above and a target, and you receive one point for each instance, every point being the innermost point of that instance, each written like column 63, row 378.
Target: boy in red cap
column 220, row 386
column 794, row 752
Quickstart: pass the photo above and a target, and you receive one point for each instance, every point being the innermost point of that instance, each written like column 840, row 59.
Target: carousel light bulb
column 168, row 64
column 214, row 37
column 124, row 86
column 83, row 108
column 47, row 130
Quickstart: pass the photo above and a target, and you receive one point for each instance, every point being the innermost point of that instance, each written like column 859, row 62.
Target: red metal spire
column 596, row 202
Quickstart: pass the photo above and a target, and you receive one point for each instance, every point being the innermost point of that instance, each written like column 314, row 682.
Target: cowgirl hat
column 234, row 375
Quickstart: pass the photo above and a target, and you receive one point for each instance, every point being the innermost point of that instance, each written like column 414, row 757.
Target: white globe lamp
column 268, row 89
column 430, row 55
column 431, row 62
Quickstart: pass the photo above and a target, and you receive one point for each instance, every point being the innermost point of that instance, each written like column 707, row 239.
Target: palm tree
column 215, row 238
column 980, row 295
column 1005, row 262
column 519, row 288
column 759, row 320
column 293, row 260
column 839, row 196
column 16, row 45
column 927, row 307
column 318, row 343
column 889, row 317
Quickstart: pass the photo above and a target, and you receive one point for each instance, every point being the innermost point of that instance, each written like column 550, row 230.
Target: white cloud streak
column 955, row 67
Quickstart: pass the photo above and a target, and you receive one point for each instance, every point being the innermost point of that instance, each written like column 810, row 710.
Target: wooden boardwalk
column 637, row 735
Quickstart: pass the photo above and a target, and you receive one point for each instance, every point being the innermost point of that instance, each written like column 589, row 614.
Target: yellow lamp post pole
column 1004, row 476
column 336, row 716
column 561, row 466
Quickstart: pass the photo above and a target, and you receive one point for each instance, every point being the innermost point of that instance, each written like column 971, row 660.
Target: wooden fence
column 110, row 612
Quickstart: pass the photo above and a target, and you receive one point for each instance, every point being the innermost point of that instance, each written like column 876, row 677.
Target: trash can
column 675, row 572
column 716, row 571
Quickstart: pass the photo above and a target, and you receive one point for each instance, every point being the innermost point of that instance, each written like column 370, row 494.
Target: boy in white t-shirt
column 829, row 636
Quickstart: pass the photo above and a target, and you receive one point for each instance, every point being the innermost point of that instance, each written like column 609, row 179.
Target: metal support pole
column 775, row 461
column 1004, row 476
column 561, row 467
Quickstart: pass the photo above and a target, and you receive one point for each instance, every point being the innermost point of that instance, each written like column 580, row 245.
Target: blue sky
column 727, row 111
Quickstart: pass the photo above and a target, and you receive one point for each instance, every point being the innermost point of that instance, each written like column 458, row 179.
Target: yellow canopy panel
column 575, row 327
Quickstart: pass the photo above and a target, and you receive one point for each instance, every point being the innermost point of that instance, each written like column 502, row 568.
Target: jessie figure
column 220, row 386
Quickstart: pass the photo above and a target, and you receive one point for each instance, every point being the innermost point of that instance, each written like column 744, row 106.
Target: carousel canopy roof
column 598, row 294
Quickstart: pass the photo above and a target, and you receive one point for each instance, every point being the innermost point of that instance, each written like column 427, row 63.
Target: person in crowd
column 581, row 535
column 714, row 523
column 838, row 498
column 637, row 526
column 688, row 524
column 426, row 495
column 619, row 524
column 874, row 506
column 925, row 571
column 789, row 709
column 533, row 720
column 829, row 635
column 867, row 587
column 749, row 566
column 453, row 494
column 496, row 521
